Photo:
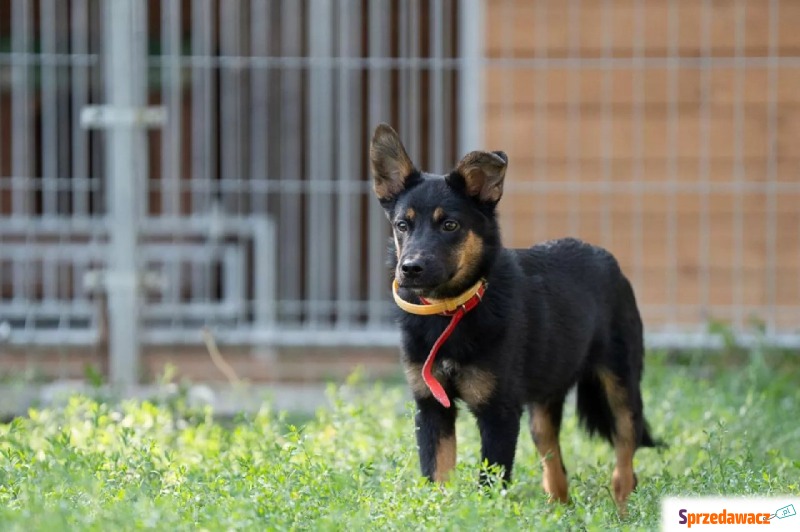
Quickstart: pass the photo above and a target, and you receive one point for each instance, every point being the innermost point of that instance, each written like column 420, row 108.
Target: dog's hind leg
column 545, row 427
column 624, row 435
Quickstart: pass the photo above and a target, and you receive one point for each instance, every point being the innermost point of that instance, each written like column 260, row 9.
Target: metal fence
column 664, row 131
column 166, row 165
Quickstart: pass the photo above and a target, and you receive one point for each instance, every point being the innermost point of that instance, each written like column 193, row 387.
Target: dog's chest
column 470, row 383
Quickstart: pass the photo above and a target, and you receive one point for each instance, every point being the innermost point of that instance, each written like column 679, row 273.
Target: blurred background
column 171, row 165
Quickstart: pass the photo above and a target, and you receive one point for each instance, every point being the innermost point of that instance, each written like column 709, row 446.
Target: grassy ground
column 732, row 426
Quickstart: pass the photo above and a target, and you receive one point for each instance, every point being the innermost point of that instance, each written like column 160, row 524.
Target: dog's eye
column 401, row 225
column 450, row 225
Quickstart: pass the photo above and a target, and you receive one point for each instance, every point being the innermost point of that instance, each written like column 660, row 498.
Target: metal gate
column 204, row 163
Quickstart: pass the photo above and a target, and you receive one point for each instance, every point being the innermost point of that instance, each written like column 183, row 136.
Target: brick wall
column 669, row 168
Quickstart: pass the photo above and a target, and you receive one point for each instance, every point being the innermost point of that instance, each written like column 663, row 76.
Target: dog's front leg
column 499, row 427
column 436, row 438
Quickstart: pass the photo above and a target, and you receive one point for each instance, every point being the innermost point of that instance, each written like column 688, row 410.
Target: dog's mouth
column 419, row 288
column 425, row 288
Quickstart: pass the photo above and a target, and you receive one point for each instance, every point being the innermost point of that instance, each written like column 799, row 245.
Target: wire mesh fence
column 664, row 131
column 204, row 162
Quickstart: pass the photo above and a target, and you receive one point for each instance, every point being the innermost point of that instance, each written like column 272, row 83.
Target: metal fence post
column 470, row 97
column 124, row 52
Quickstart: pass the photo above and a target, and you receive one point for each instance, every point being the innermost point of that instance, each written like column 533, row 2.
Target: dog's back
column 583, row 320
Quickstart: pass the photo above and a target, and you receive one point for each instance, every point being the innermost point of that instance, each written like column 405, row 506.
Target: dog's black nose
column 411, row 268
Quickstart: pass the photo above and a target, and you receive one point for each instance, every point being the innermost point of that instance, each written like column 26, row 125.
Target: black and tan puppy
column 538, row 321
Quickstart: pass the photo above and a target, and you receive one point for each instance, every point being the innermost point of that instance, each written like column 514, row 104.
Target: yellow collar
column 436, row 306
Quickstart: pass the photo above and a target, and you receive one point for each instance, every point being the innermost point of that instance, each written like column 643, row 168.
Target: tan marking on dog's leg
column 414, row 377
column 623, row 479
column 475, row 385
column 445, row 458
column 545, row 437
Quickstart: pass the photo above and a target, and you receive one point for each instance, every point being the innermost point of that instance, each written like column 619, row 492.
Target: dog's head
column 445, row 229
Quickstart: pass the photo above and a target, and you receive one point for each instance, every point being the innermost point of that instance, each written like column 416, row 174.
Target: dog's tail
column 595, row 414
column 594, row 411
column 621, row 378
column 647, row 438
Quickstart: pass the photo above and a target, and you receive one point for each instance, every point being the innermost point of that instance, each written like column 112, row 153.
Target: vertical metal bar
column 124, row 49
column 20, row 105
column 231, row 108
column 703, row 169
column 359, row 155
column 414, row 133
column 737, row 277
column 348, row 264
column 259, row 107
column 21, row 145
column 64, row 183
column 197, row 291
column 203, row 109
column 403, row 45
column 140, row 88
column 233, row 280
column 171, row 96
column 230, row 180
column 266, row 267
column 64, row 288
column 291, row 150
column 319, row 158
column 637, row 170
column 436, row 87
column 205, row 149
column 343, row 154
column 448, row 72
column 378, row 112
column 772, row 166
column 470, row 86
column 49, row 278
column 172, row 193
column 673, row 21
column 32, row 274
column 78, row 270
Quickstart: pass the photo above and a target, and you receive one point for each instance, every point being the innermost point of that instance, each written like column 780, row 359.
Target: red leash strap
column 434, row 385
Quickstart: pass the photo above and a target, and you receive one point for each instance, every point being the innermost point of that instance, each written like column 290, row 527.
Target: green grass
column 732, row 427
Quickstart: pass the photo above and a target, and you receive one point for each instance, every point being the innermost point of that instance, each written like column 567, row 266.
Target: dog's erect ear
column 390, row 163
column 483, row 174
